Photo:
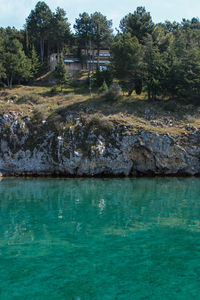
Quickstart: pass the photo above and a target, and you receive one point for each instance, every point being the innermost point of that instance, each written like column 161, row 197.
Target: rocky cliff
column 85, row 146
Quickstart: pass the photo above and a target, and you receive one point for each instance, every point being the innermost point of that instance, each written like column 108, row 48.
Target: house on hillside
column 88, row 60
column 73, row 64
column 92, row 58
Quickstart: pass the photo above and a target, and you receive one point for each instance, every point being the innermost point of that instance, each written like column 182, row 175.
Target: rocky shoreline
column 92, row 148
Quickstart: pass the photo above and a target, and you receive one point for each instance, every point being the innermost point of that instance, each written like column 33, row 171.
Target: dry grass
column 174, row 117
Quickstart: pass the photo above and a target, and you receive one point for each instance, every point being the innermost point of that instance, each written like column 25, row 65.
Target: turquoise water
column 100, row 239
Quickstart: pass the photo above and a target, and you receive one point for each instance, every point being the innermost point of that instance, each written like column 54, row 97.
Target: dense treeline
column 162, row 59
column 24, row 54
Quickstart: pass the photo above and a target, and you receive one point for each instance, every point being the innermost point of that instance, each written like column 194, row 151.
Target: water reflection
column 100, row 238
column 87, row 206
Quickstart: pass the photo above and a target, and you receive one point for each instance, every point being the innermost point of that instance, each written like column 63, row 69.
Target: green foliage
column 162, row 59
column 59, row 35
column 93, row 31
column 127, row 59
column 53, row 90
column 101, row 31
column 2, row 69
column 83, row 30
column 154, row 68
column 46, row 32
column 114, row 92
column 38, row 25
column 61, row 73
column 137, row 24
column 28, row 99
column 35, row 64
column 38, row 116
column 103, row 88
column 102, row 76
column 16, row 65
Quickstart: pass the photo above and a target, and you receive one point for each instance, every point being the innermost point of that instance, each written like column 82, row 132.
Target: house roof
column 71, row 60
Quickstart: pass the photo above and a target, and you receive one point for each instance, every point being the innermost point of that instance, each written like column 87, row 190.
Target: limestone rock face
column 89, row 150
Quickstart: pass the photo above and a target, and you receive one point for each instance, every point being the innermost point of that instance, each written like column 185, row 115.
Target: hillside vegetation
column 161, row 59
column 42, row 103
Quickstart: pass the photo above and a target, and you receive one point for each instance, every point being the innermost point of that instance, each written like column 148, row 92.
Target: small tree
column 15, row 63
column 35, row 63
column 103, row 88
column 100, row 76
column 114, row 92
column 61, row 73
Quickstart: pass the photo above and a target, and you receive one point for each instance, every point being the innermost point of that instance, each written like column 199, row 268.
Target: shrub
column 170, row 106
column 38, row 115
column 103, row 88
column 53, row 90
column 100, row 76
column 114, row 92
column 34, row 99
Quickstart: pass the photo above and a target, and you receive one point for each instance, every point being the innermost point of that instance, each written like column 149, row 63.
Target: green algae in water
column 100, row 239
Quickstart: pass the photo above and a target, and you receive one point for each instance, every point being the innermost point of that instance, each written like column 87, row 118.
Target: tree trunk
column 9, row 82
column 130, row 92
column 11, row 79
column 86, row 55
column 48, row 51
column 42, row 49
column 93, row 61
column 153, row 96
column 149, row 94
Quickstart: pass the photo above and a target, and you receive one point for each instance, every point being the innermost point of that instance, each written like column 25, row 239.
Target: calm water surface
column 100, row 239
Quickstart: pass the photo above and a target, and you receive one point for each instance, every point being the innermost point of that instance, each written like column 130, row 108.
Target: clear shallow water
column 100, row 239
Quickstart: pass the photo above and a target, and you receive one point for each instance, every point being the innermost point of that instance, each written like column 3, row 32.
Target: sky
column 14, row 12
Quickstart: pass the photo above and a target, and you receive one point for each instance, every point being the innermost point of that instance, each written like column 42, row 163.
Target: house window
column 103, row 68
column 104, row 54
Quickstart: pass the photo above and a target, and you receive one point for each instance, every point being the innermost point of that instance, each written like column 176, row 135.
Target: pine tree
column 15, row 63
column 138, row 24
column 103, row 88
column 2, row 69
column 61, row 73
column 38, row 26
column 35, row 63
column 127, row 55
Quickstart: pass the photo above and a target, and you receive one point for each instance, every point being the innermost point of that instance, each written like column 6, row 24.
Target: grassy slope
column 161, row 116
